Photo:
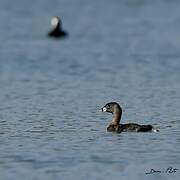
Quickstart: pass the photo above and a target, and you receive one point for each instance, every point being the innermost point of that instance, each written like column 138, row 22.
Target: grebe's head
column 55, row 21
column 112, row 107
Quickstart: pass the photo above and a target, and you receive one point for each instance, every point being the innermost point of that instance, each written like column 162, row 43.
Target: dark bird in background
column 57, row 31
column 116, row 126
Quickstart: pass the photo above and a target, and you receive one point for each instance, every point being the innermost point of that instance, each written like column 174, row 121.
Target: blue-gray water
column 51, row 90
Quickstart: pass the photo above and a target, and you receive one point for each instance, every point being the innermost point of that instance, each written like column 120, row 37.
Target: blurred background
column 51, row 90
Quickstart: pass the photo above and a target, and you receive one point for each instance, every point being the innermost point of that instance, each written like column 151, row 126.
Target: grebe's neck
column 116, row 117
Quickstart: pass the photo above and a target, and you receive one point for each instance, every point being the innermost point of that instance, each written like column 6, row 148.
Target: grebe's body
column 116, row 126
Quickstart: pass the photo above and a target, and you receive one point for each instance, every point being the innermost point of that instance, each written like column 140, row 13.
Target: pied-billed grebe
column 56, row 31
column 115, row 125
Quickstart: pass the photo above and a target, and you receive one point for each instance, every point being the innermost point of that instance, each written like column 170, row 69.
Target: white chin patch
column 54, row 21
column 104, row 109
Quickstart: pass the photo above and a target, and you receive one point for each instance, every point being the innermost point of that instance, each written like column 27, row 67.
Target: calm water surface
column 51, row 91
